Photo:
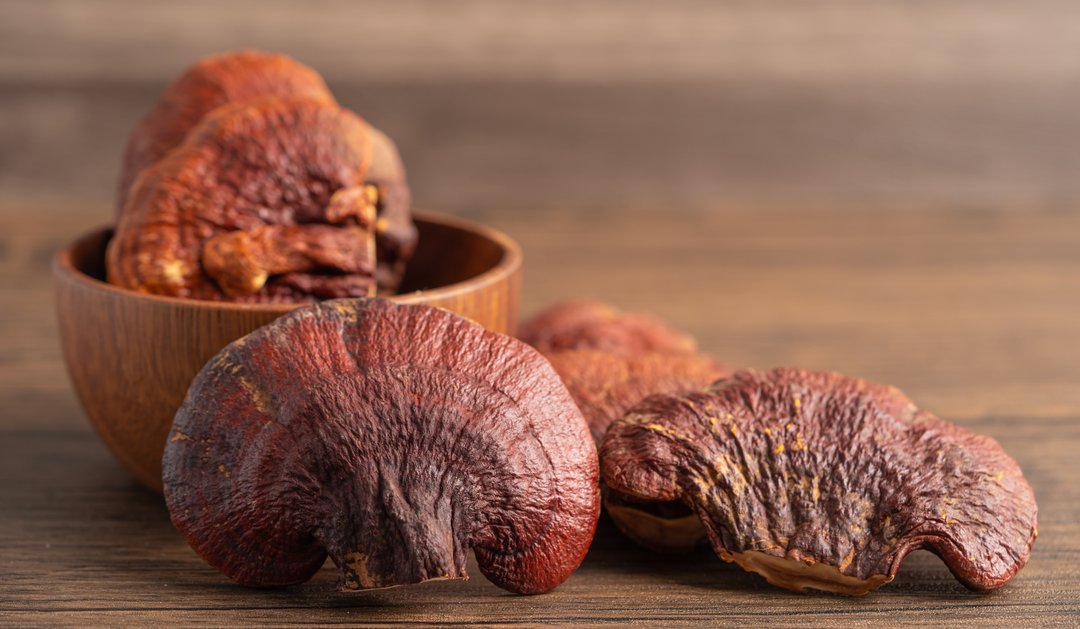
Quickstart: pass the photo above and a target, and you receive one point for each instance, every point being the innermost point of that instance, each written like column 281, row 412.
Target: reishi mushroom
column 208, row 84
column 610, row 360
column 590, row 324
column 817, row 480
column 247, row 76
column 263, row 202
column 606, row 385
column 391, row 438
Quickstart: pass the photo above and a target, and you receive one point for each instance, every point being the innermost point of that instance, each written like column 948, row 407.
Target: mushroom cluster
column 248, row 183
column 395, row 438
column 812, row 480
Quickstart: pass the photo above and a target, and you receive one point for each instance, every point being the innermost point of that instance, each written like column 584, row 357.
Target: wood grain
column 678, row 146
column 556, row 40
column 594, row 103
column 976, row 315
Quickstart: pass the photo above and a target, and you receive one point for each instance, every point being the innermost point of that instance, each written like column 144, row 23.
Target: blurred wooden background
column 592, row 104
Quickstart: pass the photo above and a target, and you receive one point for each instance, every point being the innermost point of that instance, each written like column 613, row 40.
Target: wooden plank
column 975, row 314
column 595, row 103
column 686, row 146
column 968, row 41
column 81, row 542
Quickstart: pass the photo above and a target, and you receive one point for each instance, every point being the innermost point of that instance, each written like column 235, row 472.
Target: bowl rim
column 511, row 262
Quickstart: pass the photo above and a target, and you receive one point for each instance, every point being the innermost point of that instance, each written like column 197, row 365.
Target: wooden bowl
column 131, row 356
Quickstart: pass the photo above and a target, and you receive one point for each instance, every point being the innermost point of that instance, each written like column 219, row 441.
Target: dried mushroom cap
column 245, row 76
column 208, row 84
column 586, row 324
column 606, row 385
column 243, row 209
column 390, row 437
column 816, row 480
column 610, row 361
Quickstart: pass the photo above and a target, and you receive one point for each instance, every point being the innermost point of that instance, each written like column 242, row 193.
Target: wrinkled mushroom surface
column 246, row 76
column 606, row 385
column 206, row 85
column 588, row 324
column 265, row 201
column 611, row 360
column 817, row 480
column 391, row 438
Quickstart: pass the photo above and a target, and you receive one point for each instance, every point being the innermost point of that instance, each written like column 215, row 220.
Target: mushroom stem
column 410, row 540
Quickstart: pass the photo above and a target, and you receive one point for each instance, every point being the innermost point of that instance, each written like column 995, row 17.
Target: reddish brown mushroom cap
column 208, row 84
column 390, row 437
column 296, row 165
column 246, row 76
column 816, row 480
column 611, row 360
column 587, row 324
column 606, row 385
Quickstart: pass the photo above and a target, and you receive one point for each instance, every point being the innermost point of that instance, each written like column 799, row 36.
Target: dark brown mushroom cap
column 208, row 84
column 606, row 385
column 392, row 438
column 587, row 324
column 823, row 481
column 269, row 162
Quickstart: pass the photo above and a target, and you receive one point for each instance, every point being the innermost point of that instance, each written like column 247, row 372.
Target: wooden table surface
column 976, row 315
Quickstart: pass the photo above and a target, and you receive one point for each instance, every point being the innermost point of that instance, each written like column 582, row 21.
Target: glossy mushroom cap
column 817, row 480
column 395, row 233
column 610, row 360
column 391, row 438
